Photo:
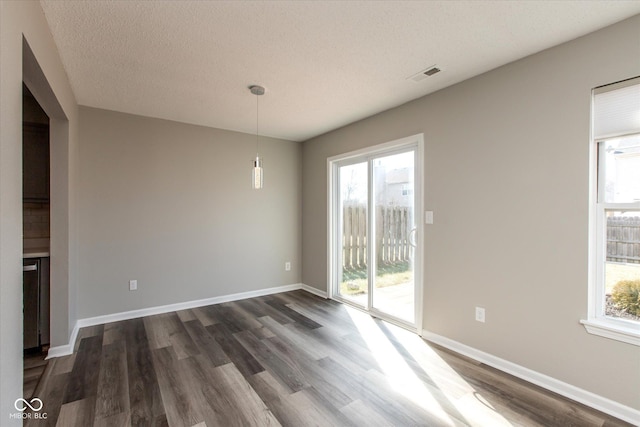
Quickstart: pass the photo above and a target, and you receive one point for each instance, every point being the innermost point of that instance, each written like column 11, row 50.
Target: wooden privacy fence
column 354, row 236
column 393, row 229
column 623, row 239
column 393, row 235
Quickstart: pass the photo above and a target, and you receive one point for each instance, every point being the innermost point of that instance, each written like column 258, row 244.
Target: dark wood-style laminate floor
column 288, row 359
column 33, row 368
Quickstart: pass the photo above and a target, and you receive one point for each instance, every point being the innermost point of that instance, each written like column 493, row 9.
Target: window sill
column 614, row 330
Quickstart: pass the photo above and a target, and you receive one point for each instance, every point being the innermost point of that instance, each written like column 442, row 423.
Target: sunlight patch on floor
column 476, row 410
column 400, row 376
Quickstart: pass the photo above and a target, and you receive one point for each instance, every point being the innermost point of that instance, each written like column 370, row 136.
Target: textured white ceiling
column 324, row 63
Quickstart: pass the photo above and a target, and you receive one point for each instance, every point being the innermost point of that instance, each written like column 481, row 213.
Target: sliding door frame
column 414, row 142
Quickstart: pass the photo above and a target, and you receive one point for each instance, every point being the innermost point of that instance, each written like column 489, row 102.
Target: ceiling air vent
column 425, row 73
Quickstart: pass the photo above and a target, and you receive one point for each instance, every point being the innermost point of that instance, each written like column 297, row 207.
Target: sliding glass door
column 375, row 244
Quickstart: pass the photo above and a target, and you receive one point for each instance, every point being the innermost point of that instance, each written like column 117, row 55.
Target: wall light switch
column 287, row 266
column 428, row 217
column 480, row 314
column 133, row 285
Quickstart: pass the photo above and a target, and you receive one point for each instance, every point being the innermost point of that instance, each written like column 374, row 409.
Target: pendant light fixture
column 257, row 174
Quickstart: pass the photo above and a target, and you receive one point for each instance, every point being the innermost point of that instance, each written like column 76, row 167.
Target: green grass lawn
column 354, row 281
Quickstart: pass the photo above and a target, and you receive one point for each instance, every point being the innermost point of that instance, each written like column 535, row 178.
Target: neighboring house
column 396, row 187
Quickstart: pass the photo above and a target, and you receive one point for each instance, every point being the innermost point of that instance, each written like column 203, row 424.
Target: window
column 614, row 282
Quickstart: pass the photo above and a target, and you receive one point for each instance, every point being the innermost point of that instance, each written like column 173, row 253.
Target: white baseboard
column 315, row 291
column 67, row 349
column 588, row 398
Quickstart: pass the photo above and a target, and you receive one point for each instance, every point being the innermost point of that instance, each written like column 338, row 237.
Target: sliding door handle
column 412, row 237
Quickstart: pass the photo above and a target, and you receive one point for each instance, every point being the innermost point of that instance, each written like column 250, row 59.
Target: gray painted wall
column 506, row 174
column 171, row 205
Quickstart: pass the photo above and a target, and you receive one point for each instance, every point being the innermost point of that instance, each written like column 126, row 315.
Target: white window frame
column 597, row 323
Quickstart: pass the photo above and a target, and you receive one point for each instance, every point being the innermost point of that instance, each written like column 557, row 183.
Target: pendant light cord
column 257, row 126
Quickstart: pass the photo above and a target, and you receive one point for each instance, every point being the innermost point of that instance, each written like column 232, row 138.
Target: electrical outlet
column 287, row 266
column 133, row 285
column 480, row 314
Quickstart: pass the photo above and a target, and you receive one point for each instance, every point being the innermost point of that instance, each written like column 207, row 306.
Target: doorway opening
column 375, row 249
column 36, row 237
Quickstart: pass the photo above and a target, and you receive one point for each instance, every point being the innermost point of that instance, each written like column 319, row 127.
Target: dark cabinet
column 35, row 150
column 35, row 162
